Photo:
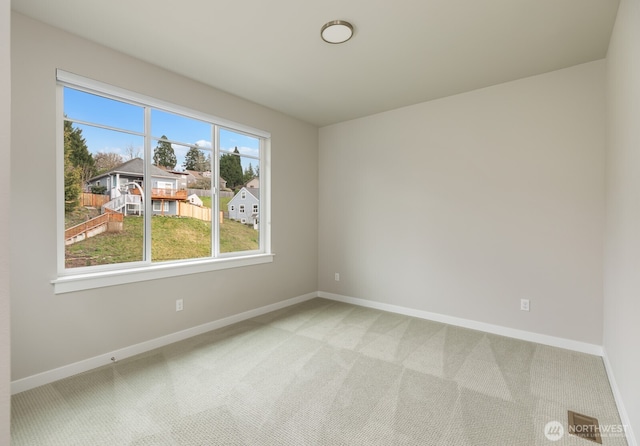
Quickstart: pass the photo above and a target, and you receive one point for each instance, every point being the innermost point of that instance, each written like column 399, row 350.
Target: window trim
column 99, row 279
column 69, row 280
column 161, row 204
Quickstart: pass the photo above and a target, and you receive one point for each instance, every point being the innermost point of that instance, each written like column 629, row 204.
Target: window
column 242, row 209
column 138, row 147
column 255, row 208
column 243, row 195
column 160, row 206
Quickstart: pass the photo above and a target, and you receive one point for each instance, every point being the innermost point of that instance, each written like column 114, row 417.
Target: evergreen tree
column 249, row 174
column 231, row 169
column 195, row 160
column 79, row 155
column 72, row 173
column 164, row 155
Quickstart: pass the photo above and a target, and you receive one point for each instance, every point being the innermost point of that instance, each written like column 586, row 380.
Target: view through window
column 144, row 184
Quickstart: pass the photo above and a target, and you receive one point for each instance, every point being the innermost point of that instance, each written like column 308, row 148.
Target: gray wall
column 506, row 190
column 5, row 143
column 622, row 253
column 50, row 331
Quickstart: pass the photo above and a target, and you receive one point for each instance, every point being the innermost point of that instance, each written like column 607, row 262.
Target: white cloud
column 245, row 151
column 204, row 144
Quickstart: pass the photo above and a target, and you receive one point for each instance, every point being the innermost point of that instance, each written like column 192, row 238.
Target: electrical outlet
column 337, row 277
column 524, row 304
column 179, row 305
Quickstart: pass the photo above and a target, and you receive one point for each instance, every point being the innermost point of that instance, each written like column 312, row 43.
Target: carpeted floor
column 324, row 373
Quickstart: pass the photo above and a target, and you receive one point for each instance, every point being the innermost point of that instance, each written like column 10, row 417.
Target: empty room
column 319, row 223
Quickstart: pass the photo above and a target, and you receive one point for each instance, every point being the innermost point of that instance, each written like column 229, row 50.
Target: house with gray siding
column 125, row 183
column 245, row 206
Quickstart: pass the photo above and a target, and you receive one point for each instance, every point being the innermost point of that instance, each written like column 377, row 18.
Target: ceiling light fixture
column 336, row 31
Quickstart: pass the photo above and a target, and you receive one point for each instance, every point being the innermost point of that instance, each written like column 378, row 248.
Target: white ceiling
column 403, row 51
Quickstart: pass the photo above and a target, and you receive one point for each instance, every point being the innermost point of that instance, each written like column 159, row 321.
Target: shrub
column 98, row 190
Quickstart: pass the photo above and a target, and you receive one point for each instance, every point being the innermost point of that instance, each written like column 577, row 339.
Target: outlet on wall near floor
column 524, row 304
column 179, row 305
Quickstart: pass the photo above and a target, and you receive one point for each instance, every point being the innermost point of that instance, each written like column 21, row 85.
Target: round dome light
column 336, row 31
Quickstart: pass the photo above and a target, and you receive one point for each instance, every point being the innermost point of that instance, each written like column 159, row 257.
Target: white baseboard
column 509, row 332
column 50, row 376
column 624, row 416
column 553, row 341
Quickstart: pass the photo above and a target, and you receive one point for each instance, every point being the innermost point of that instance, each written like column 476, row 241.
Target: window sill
column 79, row 282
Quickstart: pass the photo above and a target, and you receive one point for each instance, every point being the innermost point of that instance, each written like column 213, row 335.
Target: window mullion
column 265, row 197
column 215, row 191
column 148, row 210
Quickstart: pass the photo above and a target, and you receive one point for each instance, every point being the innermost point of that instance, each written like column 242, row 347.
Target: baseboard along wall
column 538, row 338
column 50, row 376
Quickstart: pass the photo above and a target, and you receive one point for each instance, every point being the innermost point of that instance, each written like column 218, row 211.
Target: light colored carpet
column 324, row 373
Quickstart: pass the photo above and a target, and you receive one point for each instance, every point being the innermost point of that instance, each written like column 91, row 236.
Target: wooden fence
column 189, row 210
column 94, row 200
column 90, row 227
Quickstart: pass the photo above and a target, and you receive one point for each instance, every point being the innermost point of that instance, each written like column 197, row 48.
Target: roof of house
column 179, row 173
column 253, row 191
column 135, row 166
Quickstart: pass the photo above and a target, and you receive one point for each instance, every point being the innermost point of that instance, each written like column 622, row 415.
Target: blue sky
column 91, row 108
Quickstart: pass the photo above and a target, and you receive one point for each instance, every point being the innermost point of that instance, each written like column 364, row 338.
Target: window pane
column 87, row 107
column 103, row 172
column 181, row 227
column 181, row 129
column 239, row 192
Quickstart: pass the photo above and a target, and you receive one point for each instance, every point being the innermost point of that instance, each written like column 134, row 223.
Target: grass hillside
column 173, row 238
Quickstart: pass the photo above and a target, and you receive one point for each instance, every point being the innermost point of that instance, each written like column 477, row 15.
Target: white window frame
column 165, row 185
column 255, row 209
column 241, row 209
column 76, row 279
column 165, row 205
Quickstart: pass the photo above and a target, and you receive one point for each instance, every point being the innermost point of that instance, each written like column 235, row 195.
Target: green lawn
column 206, row 202
column 172, row 239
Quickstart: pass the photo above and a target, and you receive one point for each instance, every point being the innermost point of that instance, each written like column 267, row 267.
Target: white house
column 194, row 199
column 245, row 206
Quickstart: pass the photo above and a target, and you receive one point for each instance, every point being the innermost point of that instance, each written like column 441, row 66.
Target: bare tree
column 132, row 152
column 105, row 161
